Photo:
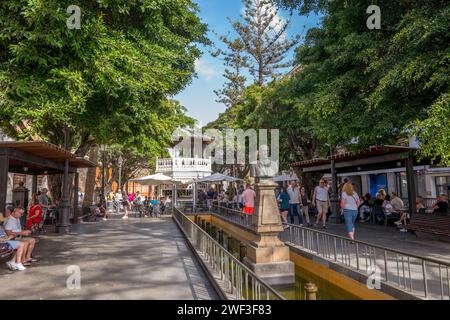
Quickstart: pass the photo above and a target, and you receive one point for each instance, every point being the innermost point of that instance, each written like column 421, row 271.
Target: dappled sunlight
column 118, row 260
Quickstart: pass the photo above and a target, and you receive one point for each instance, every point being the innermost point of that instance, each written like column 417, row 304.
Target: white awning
column 218, row 177
column 153, row 180
column 285, row 177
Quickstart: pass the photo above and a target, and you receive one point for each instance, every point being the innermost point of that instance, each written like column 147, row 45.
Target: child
column 155, row 205
column 34, row 216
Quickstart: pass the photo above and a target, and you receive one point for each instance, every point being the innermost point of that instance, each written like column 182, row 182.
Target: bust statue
column 265, row 167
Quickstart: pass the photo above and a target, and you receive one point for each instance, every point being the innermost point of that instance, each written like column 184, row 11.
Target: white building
column 186, row 161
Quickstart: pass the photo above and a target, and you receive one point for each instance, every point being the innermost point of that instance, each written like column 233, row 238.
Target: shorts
column 13, row 244
column 248, row 210
column 322, row 206
column 284, row 210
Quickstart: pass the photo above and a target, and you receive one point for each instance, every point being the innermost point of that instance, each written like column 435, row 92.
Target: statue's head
column 263, row 152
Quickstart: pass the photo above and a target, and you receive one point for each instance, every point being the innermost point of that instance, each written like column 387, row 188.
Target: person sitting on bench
column 34, row 216
column 389, row 210
column 13, row 229
column 441, row 206
column 366, row 207
column 403, row 221
column 19, row 247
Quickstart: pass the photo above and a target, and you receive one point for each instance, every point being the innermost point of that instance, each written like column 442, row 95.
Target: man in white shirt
column 321, row 200
column 396, row 202
column 118, row 199
column 16, row 262
column 13, row 229
column 294, row 203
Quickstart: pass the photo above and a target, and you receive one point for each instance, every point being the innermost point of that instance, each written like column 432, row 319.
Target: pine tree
column 263, row 35
column 235, row 61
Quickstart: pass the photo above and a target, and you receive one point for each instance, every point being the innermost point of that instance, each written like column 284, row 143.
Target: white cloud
column 203, row 68
column 270, row 8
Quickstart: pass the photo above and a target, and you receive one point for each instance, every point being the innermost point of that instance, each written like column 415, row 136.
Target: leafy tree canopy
column 108, row 80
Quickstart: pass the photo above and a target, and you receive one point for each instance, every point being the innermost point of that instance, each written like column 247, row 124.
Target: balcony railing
column 183, row 164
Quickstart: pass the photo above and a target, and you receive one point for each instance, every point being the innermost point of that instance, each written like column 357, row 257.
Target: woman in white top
column 350, row 203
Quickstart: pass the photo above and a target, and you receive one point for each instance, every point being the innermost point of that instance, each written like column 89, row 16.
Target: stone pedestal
column 267, row 256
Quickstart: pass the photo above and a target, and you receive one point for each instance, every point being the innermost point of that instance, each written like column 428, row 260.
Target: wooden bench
column 5, row 253
column 430, row 223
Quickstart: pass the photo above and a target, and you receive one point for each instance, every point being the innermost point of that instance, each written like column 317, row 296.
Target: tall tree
column 362, row 87
column 113, row 72
column 107, row 80
column 235, row 62
column 90, row 183
column 263, row 34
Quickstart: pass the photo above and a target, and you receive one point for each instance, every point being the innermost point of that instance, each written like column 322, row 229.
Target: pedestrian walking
column 304, row 202
column 294, row 203
column 283, row 199
column 125, row 205
column 350, row 203
column 321, row 200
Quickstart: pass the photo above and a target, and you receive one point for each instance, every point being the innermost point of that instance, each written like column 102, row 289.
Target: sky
column 199, row 97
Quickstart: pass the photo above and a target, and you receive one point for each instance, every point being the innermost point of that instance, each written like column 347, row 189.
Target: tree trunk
column 55, row 187
column 89, row 188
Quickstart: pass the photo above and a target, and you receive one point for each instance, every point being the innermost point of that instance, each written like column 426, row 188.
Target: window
column 443, row 185
column 402, row 185
column 377, row 182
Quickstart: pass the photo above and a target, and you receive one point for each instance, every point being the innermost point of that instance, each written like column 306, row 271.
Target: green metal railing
column 421, row 276
column 235, row 279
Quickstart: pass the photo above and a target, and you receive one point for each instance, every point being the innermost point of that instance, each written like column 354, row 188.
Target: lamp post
column 334, row 198
column 103, row 148
column 62, row 225
column 119, row 188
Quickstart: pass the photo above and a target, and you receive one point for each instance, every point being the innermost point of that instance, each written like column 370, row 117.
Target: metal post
column 4, row 168
column 410, row 178
column 334, row 196
column 103, row 175
column 75, row 197
column 119, row 188
column 34, row 186
column 194, row 202
column 64, row 209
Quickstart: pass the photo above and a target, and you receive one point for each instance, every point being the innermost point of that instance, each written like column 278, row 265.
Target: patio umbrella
column 154, row 180
column 285, row 177
column 218, row 177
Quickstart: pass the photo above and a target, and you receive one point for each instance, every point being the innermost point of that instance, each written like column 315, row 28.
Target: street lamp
column 119, row 192
column 62, row 225
column 334, row 198
column 103, row 149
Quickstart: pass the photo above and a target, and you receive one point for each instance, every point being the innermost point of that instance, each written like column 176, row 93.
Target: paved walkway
column 118, row 259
